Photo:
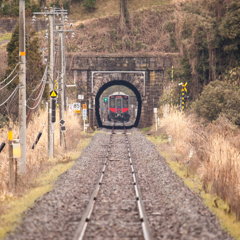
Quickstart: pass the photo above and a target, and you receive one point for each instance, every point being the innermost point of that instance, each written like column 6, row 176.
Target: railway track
column 115, row 209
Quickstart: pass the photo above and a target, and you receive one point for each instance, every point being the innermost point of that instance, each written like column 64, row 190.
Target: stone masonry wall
column 81, row 67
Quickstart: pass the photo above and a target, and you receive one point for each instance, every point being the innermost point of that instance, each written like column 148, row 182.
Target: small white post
column 155, row 111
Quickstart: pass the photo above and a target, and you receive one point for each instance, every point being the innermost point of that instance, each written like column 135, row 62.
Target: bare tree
column 124, row 15
column 42, row 3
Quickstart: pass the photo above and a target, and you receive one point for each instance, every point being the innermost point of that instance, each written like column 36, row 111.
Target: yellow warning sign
column 22, row 53
column 84, row 106
column 53, row 94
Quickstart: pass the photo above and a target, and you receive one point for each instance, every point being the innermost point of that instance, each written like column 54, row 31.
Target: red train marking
column 112, row 110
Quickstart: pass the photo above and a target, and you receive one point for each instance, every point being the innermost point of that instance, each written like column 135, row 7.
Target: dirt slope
column 145, row 33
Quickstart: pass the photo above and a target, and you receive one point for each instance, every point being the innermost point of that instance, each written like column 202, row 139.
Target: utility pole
column 22, row 88
column 172, row 91
column 51, row 14
column 61, row 78
column 50, row 81
column 64, row 66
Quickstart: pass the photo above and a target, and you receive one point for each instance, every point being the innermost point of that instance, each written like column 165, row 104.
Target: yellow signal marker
column 10, row 135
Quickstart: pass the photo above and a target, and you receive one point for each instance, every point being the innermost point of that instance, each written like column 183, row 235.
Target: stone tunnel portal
column 112, row 83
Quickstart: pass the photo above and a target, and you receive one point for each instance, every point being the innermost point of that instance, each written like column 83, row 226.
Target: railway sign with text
column 76, row 107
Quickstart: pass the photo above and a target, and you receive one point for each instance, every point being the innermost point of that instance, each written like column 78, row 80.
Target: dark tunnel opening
column 112, row 83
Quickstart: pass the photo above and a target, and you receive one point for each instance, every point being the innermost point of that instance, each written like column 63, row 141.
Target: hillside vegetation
column 206, row 34
column 106, row 8
column 145, row 33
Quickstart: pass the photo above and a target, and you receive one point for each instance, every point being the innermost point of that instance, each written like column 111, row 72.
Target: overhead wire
column 9, row 82
column 9, row 74
column 39, row 84
column 9, row 96
column 12, row 97
column 40, row 97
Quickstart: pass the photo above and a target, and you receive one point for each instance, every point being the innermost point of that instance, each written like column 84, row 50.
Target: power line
column 42, row 91
column 9, row 82
column 9, row 74
column 13, row 97
column 9, row 96
column 39, row 84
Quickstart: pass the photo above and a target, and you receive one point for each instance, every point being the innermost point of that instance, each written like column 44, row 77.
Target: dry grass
column 102, row 35
column 37, row 159
column 111, row 7
column 216, row 157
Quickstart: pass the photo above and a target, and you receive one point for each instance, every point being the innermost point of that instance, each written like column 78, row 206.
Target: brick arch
column 112, row 83
column 135, row 79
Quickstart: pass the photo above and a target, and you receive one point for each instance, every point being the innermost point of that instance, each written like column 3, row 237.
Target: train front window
column 125, row 102
column 119, row 103
column 112, row 105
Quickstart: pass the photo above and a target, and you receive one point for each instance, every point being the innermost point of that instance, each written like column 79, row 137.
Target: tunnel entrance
column 112, row 83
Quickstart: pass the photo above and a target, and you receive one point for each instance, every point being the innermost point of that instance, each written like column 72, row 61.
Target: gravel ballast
column 173, row 210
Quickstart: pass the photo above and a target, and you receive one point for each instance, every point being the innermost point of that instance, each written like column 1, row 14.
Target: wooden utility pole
column 22, row 87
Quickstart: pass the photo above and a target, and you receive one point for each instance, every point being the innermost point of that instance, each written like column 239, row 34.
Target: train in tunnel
column 118, row 107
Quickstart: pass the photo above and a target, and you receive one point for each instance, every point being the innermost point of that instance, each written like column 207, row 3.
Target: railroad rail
column 79, row 234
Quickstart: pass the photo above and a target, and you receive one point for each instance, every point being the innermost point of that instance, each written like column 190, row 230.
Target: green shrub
column 90, row 4
column 6, row 9
column 16, row 10
column 81, row 26
column 219, row 98
column 35, row 8
column 139, row 45
column 66, row 5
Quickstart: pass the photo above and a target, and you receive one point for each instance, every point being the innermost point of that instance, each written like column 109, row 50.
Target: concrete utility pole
column 61, row 78
column 22, row 88
column 64, row 65
column 50, row 80
column 51, row 14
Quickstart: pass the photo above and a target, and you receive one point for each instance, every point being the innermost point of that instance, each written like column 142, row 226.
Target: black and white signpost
column 155, row 113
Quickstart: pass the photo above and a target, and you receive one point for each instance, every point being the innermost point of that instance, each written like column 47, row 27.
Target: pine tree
column 34, row 64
